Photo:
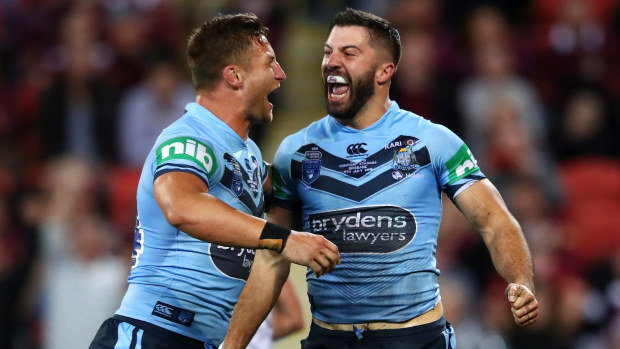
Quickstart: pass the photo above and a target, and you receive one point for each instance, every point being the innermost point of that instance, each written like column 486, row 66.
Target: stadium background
column 532, row 86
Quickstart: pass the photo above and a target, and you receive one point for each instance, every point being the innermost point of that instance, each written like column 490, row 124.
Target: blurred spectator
column 425, row 16
column 588, row 126
column 138, row 31
column 420, row 87
column 591, row 206
column 508, row 147
column 150, row 107
column 78, row 109
column 83, row 280
column 527, row 199
column 495, row 76
column 573, row 45
column 17, row 246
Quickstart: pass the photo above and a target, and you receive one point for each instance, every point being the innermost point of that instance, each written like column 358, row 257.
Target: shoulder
column 312, row 133
column 431, row 133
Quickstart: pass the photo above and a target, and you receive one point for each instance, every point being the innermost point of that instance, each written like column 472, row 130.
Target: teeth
column 336, row 79
column 334, row 96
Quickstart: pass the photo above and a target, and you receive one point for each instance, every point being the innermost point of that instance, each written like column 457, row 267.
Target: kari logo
column 186, row 148
column 371, row 229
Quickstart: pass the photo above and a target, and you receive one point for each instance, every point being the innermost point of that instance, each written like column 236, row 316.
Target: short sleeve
column 186, row 154
column 456, row 166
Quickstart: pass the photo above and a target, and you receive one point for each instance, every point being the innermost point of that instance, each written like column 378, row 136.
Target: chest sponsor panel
column 234, row 262
column 368, row 229
column 400, row 159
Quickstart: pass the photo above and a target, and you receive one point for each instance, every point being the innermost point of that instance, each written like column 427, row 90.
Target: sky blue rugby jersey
column 376, row 194
column 178, row 282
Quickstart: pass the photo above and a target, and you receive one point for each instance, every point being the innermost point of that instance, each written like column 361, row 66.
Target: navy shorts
column 435, row 335
column 120, row 332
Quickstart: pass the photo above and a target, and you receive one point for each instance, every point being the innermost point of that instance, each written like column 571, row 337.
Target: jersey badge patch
column 236, row 185
column 311, row 166
column 404, row 158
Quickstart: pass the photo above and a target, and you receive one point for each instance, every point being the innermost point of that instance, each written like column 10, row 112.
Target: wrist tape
column 273, row 237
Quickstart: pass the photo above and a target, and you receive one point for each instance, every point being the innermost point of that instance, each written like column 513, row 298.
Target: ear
column 384, row 72
column 232, row 76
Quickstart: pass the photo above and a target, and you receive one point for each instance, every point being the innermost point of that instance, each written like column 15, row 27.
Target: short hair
column 222, row 40
column 380, row 29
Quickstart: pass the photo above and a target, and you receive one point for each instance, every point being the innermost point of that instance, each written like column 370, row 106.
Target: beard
column 360, row 91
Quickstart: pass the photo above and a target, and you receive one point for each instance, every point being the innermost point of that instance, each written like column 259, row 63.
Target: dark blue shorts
column 120, row 332
column 435, row 335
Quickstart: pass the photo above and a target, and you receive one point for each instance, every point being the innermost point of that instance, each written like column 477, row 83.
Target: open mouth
column 337, row 87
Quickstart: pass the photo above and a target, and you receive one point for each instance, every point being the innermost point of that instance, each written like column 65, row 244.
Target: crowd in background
column 533, row 87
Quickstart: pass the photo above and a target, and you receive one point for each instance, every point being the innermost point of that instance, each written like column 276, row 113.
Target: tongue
column 339, row 89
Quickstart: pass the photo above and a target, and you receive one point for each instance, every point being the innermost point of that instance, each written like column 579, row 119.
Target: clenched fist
column 523, row 304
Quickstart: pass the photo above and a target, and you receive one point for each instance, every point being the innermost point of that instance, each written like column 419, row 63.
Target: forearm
column 258, row 297
column 484, row 208
column 510, row 254
column 209, row 219
column 186, row 204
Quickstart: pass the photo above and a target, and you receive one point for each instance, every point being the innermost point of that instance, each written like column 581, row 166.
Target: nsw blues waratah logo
column 311, row 167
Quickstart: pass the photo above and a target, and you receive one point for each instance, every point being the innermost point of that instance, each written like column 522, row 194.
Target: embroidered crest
column 311, row 167
column 404, row 158
column 237, row 181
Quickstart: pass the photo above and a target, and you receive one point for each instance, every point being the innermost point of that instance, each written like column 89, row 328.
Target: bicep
column 175, row 191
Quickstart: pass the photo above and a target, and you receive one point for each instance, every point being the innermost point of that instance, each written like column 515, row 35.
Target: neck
column 226, row 107
column 370, row 113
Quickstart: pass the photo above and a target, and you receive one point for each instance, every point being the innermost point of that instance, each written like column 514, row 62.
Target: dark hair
column 222, row 40
column 380, row 30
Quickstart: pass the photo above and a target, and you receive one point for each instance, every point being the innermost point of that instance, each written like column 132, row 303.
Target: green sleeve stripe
column 462, row 164
column 187, row 148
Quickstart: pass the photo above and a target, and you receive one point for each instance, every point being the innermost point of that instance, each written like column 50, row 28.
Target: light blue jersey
column 178, row 282
column 376, row 194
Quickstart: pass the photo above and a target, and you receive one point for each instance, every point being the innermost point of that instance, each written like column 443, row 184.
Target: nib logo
column 185, row 148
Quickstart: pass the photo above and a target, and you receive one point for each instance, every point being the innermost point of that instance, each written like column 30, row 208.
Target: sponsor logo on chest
column 371, row 229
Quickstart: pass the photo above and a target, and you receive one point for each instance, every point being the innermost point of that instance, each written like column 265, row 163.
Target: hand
column 313, row 251
column 523, row 304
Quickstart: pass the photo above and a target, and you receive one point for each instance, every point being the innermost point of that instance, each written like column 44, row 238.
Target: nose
column 279, row 73
column 332, row 60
